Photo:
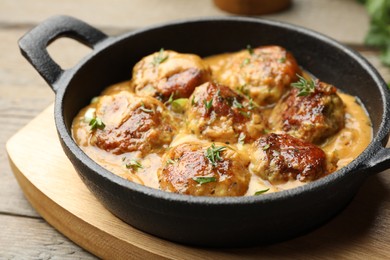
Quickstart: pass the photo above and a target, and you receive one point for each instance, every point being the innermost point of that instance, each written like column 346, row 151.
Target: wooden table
column 24, row 94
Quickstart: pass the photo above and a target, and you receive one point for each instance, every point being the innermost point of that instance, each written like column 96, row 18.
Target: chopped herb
column 170, row 99
column 243, row 90
column 237, row 104
column 178, row 105
column 170, row 161
column 133, row 164
column 213, row 154
column 203, row 180
column 245, row 62
column 282, row 60
column 241, row 138
column 266, row 131
column 143, row 108
column 159, row 58
column 246, row 114
column 261, row 191
column 250, row 49
column 305, row 87
column 219, row 93
column 251, row 105
column 208, row 104
column 96, row 123
column 266, row 147
column 193, row 100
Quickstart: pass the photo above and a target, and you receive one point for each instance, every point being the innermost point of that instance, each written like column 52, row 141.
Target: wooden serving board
column 54, row 189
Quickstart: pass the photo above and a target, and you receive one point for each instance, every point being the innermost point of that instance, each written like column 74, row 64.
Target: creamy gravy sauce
column 343, row 147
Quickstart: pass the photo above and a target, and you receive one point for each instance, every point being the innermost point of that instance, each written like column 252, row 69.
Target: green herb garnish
column 305, row 87
column 159, row 58
column 250, row 49
column 143, row 108
column 170, row 99
column 282, row 60
column 133, row 164
column 208, row 104
column 251, row 105
column 203, row 180
column 379, row 32
column 96, row 123
column 237, row 104
column 243, row 90
column 246, row 114
column 193, row 100
column 266, row 147
column 179, row 105
column 261, row 191
column 245, row 62
column 213, row 154
column 170, row 161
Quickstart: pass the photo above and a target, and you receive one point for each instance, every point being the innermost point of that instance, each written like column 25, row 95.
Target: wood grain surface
column 24, row 94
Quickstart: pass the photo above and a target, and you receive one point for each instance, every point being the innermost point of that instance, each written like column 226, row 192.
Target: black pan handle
column 379, row 162
column 33, row 44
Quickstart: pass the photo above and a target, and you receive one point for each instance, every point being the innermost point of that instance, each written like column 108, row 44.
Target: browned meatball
column 279, row 158
column 132, row 123
column 164, row 73
column 311, row 115
column 264, row 73
column 204, row 170
column 218, row 113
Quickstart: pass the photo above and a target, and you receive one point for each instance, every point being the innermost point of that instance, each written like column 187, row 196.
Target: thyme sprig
column 203, row 180
column 213, row 154
column 159, row 58
column 305, row 87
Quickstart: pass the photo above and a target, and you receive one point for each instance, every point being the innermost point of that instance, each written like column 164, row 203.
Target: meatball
column 279, row 158
column 311, row 114
column 204, row 169
column 263, row 73
column 167, row 73
column 132, row 123
column 218, row 113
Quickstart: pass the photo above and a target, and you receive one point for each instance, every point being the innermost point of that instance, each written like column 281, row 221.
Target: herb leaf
column 213, row 154
column 379, row 31
column 305, row 87
column 265, row 147
column 133, row 164
column 237, row 104
column 250, row 49
column 203, row 180
column 96, row 123
column 179, row 105
column 169, row 161
column 208, row 104
column 159, row 58
column 246, row 114
column 261, row 192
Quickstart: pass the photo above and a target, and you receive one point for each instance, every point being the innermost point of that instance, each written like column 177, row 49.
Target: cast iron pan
column 209, row 221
